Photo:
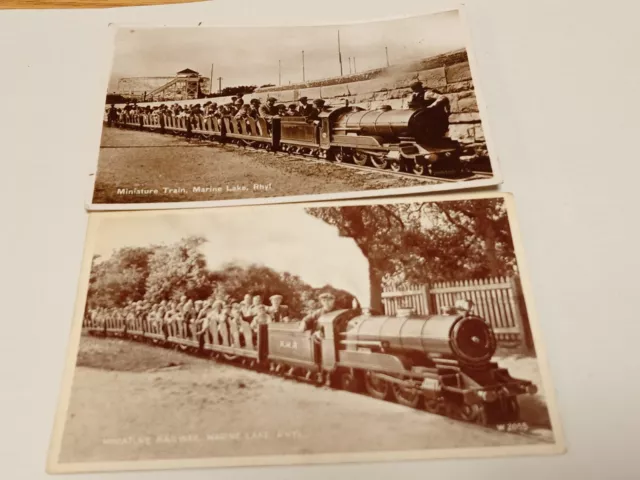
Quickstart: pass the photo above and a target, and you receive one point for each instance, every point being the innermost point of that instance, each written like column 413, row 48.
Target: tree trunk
column 375, row 289
column 488, row 233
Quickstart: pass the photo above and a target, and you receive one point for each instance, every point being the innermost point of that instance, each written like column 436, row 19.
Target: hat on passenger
column 302, row 99
column 319, row 102
column 416, row 85
column 326, row 295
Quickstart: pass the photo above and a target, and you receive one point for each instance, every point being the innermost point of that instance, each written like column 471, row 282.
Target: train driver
column 318, row 106
column 310, row 322
column 426, row 98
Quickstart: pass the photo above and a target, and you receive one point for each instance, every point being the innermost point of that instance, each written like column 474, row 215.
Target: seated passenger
column 261, row 318
column 268, row 110
column 278, row 312
column 245, row 306
column 256, row 304
column 254, row 108
column 304, row 108
column 212, row 109
column 243, row 113
column 293, row 110
column 281, row 109
column 235, row 325
column 151, row 319
column 202, row 320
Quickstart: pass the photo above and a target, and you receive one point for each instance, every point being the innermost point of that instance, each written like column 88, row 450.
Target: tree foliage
column 121, row 279
column 427, row 241
column 177, row 270
column 170, row 271
column 378, row 232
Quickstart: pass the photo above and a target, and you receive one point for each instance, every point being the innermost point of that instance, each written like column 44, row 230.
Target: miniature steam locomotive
column 441, row 363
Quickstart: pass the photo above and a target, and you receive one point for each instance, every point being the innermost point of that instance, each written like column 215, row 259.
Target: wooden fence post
column 426, row 288
column 514, row 292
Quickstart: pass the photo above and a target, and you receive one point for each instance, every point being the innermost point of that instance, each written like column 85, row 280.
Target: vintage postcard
column 361, row 330
column 204, row 116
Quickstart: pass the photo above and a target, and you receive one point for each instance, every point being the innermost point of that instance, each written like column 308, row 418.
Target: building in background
column 187, row 84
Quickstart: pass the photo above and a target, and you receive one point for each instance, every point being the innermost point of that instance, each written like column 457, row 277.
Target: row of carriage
column 411, row 141
column 228, row 338
column 442, row 363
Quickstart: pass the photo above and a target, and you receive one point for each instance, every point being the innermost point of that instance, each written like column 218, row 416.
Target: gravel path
column 172, row 405
column 152, row 161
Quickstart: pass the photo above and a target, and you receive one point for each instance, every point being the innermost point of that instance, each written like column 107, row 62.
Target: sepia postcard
column 304, row 333
column 209, row 116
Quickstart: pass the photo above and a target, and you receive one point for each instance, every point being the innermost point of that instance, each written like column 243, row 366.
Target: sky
column 249, row 56
column 283, row 238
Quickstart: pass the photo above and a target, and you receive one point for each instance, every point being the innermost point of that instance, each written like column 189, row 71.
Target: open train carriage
column 235, row 342
column 257, row 133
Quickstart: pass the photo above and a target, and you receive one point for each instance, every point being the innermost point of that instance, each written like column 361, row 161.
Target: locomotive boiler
column 465, row 338
column 422, row 125
column 407, row 139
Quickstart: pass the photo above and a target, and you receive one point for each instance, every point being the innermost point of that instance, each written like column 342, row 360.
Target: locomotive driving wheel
column 379, row 161
column 407, row 396
column 349, row 381
column 341, row 156
column 472, row 413
column 511, row 409
column 418, row 167
column 360, row 158
column 377, row 387
column 395, row 165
